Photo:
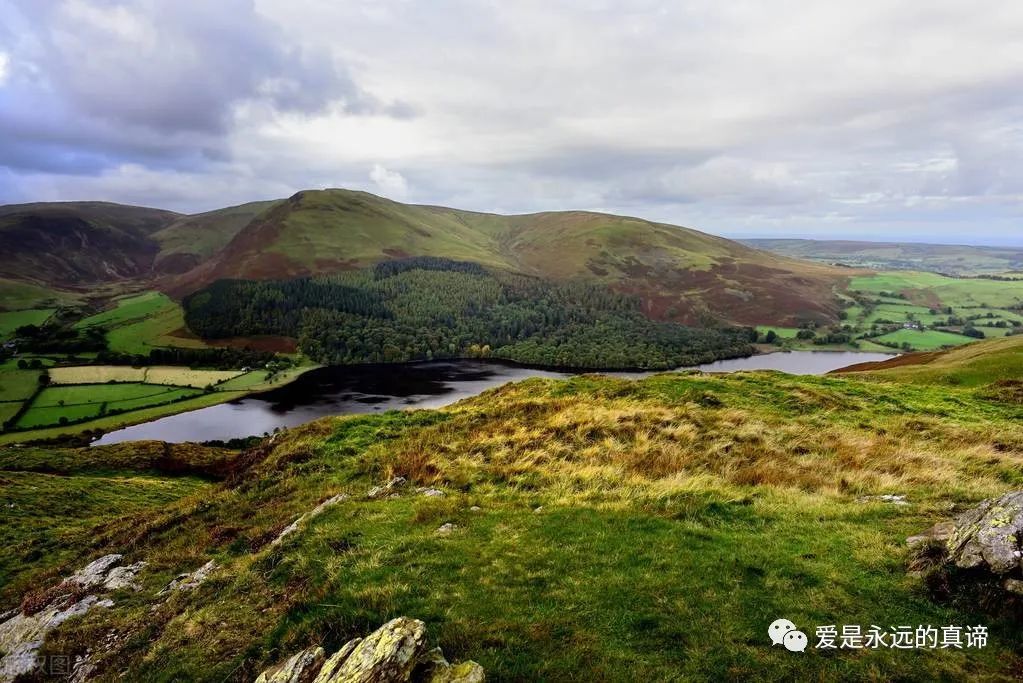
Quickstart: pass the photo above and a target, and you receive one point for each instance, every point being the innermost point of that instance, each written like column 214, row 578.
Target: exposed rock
column 380, row 491
column 884, row 498
column 190, row 580
column 394, row 653
column 435, row 668
column 538, row 509
column 21, row 636
column 446, row 529
column 94, row 573
column 475, row 508
column 388, row 654
column 1013, row 586
column 23, row 633
column 431, row 492
column 988, row 536
column 304, row 518
column 299, row 668
column 330, row 668
column 466, row 672
column 939, row 533
column 123, row 577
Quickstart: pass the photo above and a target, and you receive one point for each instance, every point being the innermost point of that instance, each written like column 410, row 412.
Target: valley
column 246, row 288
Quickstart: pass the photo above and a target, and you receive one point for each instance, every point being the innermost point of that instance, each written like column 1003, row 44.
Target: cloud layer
column 871, row 119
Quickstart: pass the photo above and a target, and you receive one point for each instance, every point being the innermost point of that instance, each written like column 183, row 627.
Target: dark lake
column 367, row 389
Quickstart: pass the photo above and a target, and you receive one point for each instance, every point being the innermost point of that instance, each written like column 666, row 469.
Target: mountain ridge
column 679, row 273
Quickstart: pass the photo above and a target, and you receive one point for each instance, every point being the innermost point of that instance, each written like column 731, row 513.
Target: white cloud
column 389, row 183
column 732, row 117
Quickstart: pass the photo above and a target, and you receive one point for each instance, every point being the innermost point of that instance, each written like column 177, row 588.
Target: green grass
column 77, row 402
column 16, row 295
column 679, row 515
column 45, row 416
column 129, row 308
column 923, row 288
column 8, row 409
column 925, row 340
column 111, row 422
column 18, row 384
column 982, row 363
column 141, row 322
column 12, row 320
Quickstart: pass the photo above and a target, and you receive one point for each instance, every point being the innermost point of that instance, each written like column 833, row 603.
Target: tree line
column 432, row 308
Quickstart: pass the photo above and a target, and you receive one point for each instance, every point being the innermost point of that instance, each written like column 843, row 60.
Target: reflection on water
column 369, row 389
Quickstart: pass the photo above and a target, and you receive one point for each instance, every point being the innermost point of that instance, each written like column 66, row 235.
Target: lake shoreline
column 368, row 388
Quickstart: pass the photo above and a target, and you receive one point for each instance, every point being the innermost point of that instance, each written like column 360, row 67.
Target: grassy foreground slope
column 603, row 529
column 681, row 274
column 996, row 363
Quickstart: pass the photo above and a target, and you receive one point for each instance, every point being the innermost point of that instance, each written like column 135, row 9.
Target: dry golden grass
column 100, row 374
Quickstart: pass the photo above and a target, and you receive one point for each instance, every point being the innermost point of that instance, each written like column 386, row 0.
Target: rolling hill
column 680, row 274
column 991, row 361
column 947, row 259
column 77, row 244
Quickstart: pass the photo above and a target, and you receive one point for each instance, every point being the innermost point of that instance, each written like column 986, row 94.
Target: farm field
column 16, row 385
column 12, row 320
column 15, row 296
column 73, row 403
column 177, row 376
column 929, row 289
column 925, row 340
column 142, row 322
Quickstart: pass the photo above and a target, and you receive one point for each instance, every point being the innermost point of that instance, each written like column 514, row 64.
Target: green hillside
column 680, row 274
column 76, row 244
column 980, row 363
column 190, row 240
column 582, row 529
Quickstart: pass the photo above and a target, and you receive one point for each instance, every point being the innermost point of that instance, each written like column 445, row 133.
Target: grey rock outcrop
column 394, row 653
column 190, row 580
column 306, row 517
column 23, row 633
column 989, row 536
column 299, row 668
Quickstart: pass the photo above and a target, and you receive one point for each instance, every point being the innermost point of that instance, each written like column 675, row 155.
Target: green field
column 12, row 320
column 141, row 322
column 16, row 296
column 929, row 288
column 18, row 384
column 79, row 402
column 8, row 409
column 925, row 340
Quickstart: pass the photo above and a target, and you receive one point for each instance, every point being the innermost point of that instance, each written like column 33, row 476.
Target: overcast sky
column 876, row 119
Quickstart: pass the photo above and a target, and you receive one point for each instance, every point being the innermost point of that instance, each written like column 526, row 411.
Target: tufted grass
column 626, row 530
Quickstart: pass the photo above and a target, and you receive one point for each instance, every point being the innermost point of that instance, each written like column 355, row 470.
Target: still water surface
column 366, row 389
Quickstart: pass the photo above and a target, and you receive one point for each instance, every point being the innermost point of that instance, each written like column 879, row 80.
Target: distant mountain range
column 938, row 258
column 680, row 274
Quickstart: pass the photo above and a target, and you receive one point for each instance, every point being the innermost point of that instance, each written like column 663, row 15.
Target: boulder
column 988, row 536
column 387, row 655
column 394, row 653
column 330, row 668
column 299, row 668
